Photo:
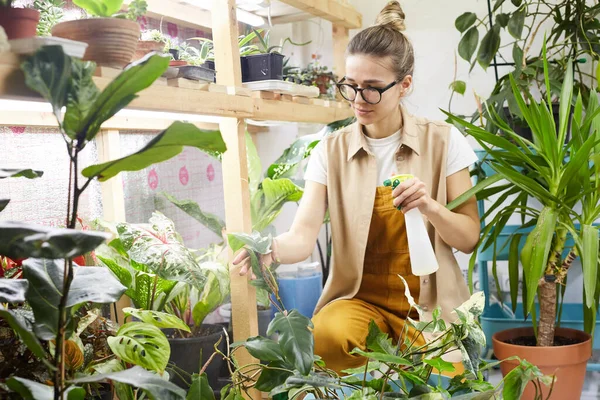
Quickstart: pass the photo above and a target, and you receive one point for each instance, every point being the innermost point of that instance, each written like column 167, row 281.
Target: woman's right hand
column 243, row 261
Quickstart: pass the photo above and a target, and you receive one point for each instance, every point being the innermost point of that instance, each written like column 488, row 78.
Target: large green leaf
column 155, row 387
column 468, row 44
column 200, row 389
column 141, row 344
column 286, row 164
column 516, row 23
column 275, row 193
column 19, row 172
column 272, row 376
column 161, row 250
column 513, row 270
column 100, row 8
column 46, row 282
column 214, row 293
column 465, row 21
column 379, row 341
column 254, row 165
column 12, row 290
column 158, row 319
column 23, row 240
column 295, row 338
column 164, row 146
column 264, row 349
column 30, row 390
column 80, row 99
column 254, row 242
column 473, row 191
column 23, row 327
column 589, row 262
column 517, row 379
column 489, row 47
column 48, row 72
column 191, row 208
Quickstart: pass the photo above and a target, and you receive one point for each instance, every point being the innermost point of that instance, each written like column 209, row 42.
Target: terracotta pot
column 147, row 46
column 177, row 63
column 19, row 23
column 567, row 363
column 111, row 41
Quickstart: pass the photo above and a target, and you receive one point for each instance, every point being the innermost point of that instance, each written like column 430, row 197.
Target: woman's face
column 364, row 71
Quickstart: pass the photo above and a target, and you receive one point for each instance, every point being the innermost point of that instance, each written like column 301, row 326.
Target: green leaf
column 46, row 283
column 295, row 338
column 370, row 367
column 80, row 99
column 382, row 357
column 459, row 87
column 214, row 293
column 516, row 23
column 517, row 3
column 276, row 193
column 200, row 389
column 517, row 54
column 254, row 242
column 48, row 72
column 160, row 249
column 164, row 146
column 24, row 329
column 379, row 341
column 473, row 191
column 363, row 394
column 513, row 270
column 502, row 19
column 191, row 208
column 565, row 104
column 285, row 165
column 497, row 5
column 272, row 376
column 100, row 8
column 12, row 290
column 19, row 172
column 156, row 318
column 30, row 390
column 264, row 349
column 534, row 256
column 489, row 47
column 440, row 365
column 141, row 344
column 465, row 21
column 254, row 165
column 4, row 203
column 337, row 125
column 23, row 240
column 468, row 44
column 589, row 262
column 156, row 387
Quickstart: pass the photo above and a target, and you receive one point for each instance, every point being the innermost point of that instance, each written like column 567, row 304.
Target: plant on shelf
column 571, row 30
column 112, row 35
column 559, row 176
column 314, row 74
column 150, row 40
column 51, row 13
column 406, row 369
column 18, row 22
column 55, row 290
column 195, row 56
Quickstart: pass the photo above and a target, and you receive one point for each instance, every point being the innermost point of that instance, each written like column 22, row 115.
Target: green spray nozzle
column 395, row 180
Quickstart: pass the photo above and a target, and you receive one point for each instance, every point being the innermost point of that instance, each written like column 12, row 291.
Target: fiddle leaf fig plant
column 57, row 291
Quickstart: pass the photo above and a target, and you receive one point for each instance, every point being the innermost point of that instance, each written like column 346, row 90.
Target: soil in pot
column 261, row 67
column 19, row 23
column 190, row 354
column 111, row 41
column 567, row 361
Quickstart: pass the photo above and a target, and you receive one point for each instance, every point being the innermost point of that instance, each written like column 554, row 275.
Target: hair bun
column 392, row 15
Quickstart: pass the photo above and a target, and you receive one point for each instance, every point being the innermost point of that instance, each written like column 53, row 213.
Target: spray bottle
column 422, row 256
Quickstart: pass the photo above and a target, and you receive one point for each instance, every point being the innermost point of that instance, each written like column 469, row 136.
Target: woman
column 345, row 174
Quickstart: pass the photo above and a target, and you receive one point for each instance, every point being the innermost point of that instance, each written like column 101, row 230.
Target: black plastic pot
column 209, row 64
column 185, row 354
column 521, row 128
column 175, row 53
column 262, row 67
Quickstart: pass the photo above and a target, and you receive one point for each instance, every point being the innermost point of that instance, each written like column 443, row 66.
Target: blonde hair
column 385, row 39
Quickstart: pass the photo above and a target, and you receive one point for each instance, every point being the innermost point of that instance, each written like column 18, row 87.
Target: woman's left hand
column 412, row 193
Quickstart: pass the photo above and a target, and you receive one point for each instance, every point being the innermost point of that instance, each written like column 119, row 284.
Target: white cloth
column 460, row 156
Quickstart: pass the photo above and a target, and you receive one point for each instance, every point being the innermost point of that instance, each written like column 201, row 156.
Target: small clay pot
column 19, row 23
column 147, row 46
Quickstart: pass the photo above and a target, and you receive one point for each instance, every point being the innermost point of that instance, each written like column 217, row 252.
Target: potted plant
column 51, row 13
column 18, row 23
column 314, row 74
column 111, row 37
column 151, row 40
column 53, row 287
column 571, row 31
column 559, row 177
column 145, row 258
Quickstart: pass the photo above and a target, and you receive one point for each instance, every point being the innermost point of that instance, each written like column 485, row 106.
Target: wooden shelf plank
column 332, row 10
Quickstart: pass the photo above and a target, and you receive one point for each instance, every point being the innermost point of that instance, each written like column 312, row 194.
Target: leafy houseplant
column 112, row 36
column 51, row 12
column 395, row 370
column 313, row 74
column 150, row 40
column 559, row 177
column 571, row 28
column 18, row 23
column 55, row 290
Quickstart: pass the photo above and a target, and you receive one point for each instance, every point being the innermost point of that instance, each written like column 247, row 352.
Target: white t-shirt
column 460, row 156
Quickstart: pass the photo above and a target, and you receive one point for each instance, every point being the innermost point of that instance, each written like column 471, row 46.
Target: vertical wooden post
column 113, row 198
column 235, row 173
column 341, row 38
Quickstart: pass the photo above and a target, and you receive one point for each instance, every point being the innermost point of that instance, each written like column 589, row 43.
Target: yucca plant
column 559, row 176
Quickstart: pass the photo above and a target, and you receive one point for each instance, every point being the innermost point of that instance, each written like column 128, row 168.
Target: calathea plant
column 53, row 287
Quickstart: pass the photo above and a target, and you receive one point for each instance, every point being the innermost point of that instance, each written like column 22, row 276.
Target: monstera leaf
column 22, row 240
column 154, row 386
column 161, row 250
column 46, row 282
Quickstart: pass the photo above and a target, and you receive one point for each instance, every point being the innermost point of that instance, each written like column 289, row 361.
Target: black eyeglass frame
column 360, row 90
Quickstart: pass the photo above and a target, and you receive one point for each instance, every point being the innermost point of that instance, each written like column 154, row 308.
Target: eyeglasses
column 369, row 94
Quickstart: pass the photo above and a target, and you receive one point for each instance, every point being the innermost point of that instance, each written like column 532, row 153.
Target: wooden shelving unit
column 226, row 99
